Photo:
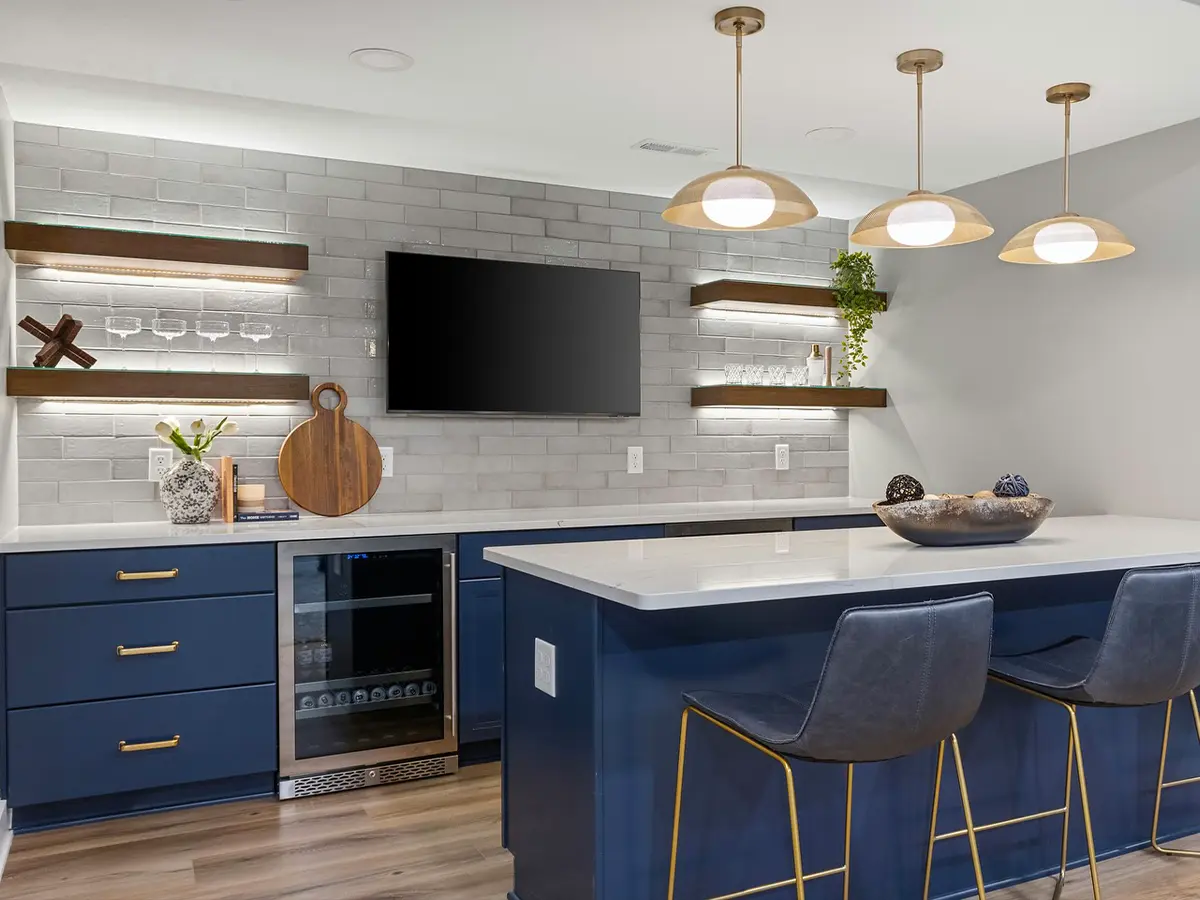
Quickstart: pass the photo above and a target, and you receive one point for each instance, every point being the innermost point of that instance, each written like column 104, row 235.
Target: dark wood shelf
column 795, row 397
column 112, row 384
column 110, row 250
column 756, row 296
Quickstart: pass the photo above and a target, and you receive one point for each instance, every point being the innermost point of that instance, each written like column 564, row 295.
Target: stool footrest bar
column 1033, row 817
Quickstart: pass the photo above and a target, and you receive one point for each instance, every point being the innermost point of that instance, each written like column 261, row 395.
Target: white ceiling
column 558, row 91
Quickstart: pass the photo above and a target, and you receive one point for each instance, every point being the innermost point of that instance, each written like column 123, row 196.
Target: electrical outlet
column 633, row 461
column 545, row 676
column 783, row 457
column 160, row 460
column 386, row 453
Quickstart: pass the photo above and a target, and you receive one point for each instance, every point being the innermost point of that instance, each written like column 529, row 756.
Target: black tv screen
column 491, row 336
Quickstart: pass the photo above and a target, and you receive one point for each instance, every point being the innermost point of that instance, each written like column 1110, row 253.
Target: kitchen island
column 590, row 756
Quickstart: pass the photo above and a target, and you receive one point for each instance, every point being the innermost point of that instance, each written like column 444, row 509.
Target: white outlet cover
column 160, row 460
column 635, row 461
column 783, row 457
column 386, row 454
column 545, row 675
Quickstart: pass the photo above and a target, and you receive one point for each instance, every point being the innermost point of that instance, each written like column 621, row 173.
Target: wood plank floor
column 433, row 840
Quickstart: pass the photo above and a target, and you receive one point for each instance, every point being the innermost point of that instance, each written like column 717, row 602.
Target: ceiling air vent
column 667, row 147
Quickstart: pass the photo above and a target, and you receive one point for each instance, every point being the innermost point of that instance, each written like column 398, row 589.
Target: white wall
column 8, row 408
column 1086, row 379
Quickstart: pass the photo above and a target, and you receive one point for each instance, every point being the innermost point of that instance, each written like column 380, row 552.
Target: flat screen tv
column 491, row 336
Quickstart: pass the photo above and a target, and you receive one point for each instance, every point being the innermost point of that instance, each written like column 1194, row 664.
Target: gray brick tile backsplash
column 87, row 462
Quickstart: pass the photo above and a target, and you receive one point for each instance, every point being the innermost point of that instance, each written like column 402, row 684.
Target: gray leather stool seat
column 896, row 679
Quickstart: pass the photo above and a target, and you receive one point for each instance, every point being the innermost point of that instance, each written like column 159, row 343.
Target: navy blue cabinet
column 471, row 563
column 67, row 654
column 87, row 749
column 481, row 659
column 828, row 523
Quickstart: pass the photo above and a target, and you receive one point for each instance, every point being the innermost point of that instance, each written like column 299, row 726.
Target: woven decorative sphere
column 903, row 488
column 1011, row 486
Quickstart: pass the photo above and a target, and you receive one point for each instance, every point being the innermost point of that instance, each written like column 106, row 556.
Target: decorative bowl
column 965, row 521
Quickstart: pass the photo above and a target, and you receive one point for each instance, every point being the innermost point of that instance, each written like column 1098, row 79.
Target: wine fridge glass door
column 370, row 654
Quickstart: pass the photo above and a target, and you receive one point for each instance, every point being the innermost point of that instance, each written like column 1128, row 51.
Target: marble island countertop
column 678, row 573
column 39, row 538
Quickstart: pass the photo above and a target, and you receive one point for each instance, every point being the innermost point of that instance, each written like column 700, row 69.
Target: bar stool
column 896, row 679
column 1150, row 653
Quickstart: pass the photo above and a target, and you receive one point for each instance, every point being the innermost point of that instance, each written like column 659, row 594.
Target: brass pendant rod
column 739, row 28
column 1067, row 156
column 920, row 126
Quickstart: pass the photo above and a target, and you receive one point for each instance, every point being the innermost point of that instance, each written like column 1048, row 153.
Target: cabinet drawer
column 138, row 573
column 68, row 654
column 70, row 752
column 480, row 659
column 471, row 563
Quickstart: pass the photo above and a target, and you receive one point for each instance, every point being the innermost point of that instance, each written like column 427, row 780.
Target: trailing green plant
column 854, row 289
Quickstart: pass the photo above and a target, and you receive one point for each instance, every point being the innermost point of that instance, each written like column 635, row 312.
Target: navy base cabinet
column 138, row 679
column 481, row 621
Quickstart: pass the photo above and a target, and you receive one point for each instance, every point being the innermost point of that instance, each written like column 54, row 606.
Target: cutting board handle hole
column 320, row 389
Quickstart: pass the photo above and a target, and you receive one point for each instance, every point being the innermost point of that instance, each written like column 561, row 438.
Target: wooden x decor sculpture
column 59, row 343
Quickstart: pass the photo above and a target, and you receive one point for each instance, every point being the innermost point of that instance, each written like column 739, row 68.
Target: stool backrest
column 899, row 678
column 1151, row 647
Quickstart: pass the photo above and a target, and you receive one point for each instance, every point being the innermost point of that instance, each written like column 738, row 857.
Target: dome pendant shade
column 739, row 199
column 1066, row 239
column 921, row 219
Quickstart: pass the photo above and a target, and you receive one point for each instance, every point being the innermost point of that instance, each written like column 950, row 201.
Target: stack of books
column 229, row 493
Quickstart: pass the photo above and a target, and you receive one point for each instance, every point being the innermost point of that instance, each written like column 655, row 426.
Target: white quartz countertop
column 687, row 572
column 38, row 538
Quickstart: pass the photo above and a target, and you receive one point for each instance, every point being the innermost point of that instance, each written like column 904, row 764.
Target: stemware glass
column 255, row 331
column 169, row 329
column 213, row 329
column 123, row 326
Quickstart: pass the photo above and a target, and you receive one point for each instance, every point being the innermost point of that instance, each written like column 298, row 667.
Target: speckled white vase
column 189, row 492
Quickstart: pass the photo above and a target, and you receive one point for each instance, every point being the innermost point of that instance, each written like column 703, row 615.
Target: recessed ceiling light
column 832, row 134
column 380, row 59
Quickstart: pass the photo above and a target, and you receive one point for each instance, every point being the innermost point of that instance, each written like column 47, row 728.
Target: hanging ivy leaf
column 854, row 289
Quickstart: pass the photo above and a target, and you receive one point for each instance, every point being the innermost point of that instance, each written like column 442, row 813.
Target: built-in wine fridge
column 366, row 663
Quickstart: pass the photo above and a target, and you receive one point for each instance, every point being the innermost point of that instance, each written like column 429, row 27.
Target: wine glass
column 212, row 329
column 169, row 329
column 255, row 331
column 123, row 326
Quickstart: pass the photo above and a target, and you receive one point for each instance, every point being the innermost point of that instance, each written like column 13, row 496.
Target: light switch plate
column 160, row 460
column 386, row 454
column 634, row 460
column 545, row 676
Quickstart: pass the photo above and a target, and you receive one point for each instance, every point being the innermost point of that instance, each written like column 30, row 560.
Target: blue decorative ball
column 1011, row 486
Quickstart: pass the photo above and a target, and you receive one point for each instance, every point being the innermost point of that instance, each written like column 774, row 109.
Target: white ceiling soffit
column 561, row 91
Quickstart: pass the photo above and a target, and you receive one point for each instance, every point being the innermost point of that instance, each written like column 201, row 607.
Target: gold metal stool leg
column 678, row 803
column 1066, row 814
column 846, row 855
column 1083, row 797
column 966, row 802
column 937, row 798
column 1162, row 768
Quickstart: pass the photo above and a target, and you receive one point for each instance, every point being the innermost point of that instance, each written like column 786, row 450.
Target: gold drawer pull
column 122, row 650
column 149, row 745
column 147, row 576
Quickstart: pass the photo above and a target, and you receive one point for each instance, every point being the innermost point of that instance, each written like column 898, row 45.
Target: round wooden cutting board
column 330, row 465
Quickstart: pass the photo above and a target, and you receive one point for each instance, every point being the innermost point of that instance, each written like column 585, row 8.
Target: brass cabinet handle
column 122, row 650
column 146, row 576
column 149, row 745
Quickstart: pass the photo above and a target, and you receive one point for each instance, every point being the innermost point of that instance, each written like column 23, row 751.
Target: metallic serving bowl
column 965, row 521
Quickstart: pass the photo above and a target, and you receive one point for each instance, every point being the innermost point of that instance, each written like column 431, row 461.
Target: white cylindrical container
column 816, row 367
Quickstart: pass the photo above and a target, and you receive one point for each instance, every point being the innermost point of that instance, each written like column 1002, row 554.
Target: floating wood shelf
column 110, row 250
column 111, row 384
column 756, row 296
column 782, row 397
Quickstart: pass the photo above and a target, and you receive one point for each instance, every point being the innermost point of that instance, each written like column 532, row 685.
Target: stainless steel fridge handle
column 453, row 567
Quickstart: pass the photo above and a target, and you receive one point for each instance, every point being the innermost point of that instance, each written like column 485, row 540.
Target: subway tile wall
column 86, row 462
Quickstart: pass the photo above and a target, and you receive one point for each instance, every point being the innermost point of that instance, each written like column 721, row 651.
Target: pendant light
column 921, row 219
column 1068, row 238
column 739, row 198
